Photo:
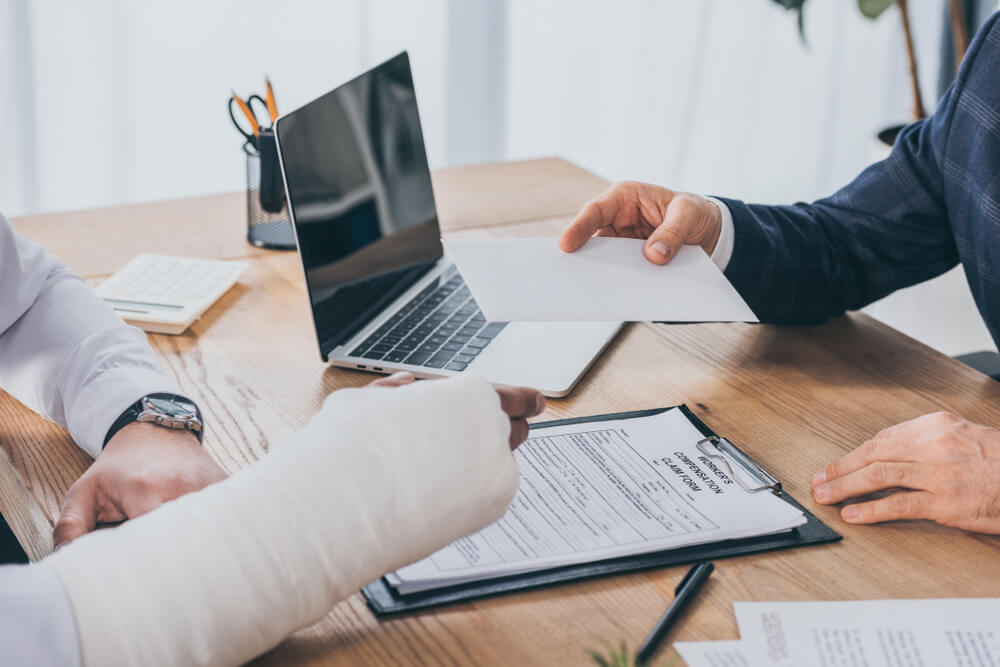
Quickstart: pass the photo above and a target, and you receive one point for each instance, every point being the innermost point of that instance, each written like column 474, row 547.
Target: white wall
column 111, row 101
column 713, row 96
column 130, row 97
column 18, row 152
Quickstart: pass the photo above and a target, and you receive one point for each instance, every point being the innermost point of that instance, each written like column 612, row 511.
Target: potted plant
column 873, row 9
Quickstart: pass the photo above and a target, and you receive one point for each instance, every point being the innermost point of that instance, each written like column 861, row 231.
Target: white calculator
column 163, row 294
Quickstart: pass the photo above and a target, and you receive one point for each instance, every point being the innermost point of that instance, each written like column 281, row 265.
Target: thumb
column 683, row 218
column 78, row 515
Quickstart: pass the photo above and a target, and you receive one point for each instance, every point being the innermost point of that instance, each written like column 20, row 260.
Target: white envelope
column 609, row 279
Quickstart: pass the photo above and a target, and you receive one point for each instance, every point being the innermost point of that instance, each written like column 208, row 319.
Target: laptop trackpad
column 549, row 356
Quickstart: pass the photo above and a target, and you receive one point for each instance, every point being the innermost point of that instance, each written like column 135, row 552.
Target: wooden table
column 795, row 398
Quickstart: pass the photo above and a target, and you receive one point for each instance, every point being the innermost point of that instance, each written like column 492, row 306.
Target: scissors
column 250, row 116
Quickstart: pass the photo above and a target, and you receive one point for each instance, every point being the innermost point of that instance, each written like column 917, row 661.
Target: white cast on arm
column 378, row 479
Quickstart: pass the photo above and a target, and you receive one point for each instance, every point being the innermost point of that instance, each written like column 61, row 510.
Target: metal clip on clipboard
column 741, row 467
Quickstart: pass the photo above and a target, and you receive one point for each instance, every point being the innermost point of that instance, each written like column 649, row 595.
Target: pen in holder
column 268, row 222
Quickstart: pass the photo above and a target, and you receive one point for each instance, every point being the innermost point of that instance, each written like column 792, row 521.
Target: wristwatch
column 166, row 410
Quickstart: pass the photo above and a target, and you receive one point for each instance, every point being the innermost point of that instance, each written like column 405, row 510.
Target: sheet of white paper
column 609, row 279
column 730, row 653
column 600, row 490
column 875, row 633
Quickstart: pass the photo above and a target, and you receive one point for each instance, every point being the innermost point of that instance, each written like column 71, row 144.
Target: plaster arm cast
column 379, row 478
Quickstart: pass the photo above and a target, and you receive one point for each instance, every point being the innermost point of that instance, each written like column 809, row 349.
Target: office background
column 109, row 102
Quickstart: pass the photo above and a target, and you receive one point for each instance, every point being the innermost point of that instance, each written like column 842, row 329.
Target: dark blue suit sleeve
column 888, row 229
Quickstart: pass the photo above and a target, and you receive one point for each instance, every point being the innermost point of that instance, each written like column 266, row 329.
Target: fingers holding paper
column 627, row 209
column 938, row 467
column 690, row 220
column 666, row 219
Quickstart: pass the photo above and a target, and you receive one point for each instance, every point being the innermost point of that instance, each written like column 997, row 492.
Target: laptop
column 384, row 297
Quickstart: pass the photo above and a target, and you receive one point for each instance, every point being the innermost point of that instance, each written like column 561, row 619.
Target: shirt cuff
column 727, row 236
column 109, row 395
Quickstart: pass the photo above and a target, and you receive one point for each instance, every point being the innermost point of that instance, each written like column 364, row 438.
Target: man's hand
column 520, row 403
column 939, row 467
column 141, row 467
column 666, row 219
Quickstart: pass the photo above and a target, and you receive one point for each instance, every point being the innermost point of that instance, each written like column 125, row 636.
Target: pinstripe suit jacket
column 934, row 202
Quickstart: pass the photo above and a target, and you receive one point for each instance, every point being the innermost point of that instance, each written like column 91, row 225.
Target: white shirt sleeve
column 36, row 621
column 63, row 352
column 727, row 236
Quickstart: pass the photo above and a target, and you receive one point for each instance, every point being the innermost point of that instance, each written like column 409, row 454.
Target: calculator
column 164, row 294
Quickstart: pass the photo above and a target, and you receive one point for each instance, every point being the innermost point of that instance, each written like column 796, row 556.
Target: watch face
column 168, row 407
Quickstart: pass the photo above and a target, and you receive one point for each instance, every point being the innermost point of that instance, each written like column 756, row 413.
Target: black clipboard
column 383, row 600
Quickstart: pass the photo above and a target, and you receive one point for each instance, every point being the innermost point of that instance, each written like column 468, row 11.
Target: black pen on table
column 686, row 591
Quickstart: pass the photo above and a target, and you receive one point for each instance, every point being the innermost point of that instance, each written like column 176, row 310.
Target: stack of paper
column 599, row 490
column 879, row 633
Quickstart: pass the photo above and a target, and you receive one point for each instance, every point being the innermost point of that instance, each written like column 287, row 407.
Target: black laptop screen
column 360, row 192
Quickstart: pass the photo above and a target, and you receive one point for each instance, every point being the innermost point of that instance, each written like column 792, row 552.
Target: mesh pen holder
column 268, row 222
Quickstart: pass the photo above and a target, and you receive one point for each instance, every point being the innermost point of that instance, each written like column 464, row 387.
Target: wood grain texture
column 508, row 192
column 794, row 398
column 101, row 241
column 98, row 242
column 33, row 528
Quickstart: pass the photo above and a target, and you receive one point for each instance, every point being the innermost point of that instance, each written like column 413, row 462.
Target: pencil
column 248, row 113
column 272, row 104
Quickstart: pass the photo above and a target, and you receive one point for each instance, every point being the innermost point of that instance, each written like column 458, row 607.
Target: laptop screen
column 360, row 192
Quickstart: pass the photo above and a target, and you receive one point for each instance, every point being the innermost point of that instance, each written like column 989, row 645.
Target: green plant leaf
column 874, row 8
column 619, row 657
column 624, row 659
column 598, row 659
column 611, row 657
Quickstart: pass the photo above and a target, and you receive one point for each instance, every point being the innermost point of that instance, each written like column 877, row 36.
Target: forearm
column 63, row 352
column 806, row 263
column 378, row 479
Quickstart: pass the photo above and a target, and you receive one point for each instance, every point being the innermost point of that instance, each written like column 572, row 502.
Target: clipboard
column 383, row 600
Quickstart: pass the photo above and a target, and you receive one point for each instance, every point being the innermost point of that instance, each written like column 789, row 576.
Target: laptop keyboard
column 346, row 306
column 441, row 327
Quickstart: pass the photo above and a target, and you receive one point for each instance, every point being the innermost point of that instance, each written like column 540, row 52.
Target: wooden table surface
column 794, row 398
